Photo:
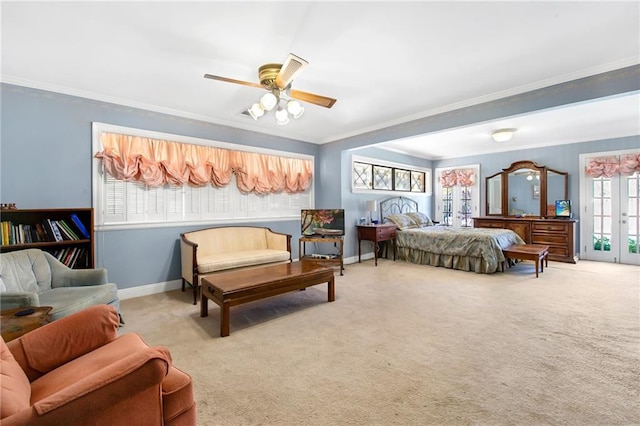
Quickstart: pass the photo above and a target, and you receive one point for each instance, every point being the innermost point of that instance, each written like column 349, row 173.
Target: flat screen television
column 563, row 208
column 322, row 222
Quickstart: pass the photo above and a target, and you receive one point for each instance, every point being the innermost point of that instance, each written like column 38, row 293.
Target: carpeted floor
column 407, row 344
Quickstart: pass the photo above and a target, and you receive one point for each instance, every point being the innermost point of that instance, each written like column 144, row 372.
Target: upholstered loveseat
column 77, row 371
column 34, row 277
column 207, row 251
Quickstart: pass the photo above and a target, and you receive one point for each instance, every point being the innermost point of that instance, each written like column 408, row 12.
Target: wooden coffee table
column 240, row 286
column 15, row 326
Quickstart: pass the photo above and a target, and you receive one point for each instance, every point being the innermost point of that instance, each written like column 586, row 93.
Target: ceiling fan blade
column 231, row 80
column 293, row 66
column 312, row 99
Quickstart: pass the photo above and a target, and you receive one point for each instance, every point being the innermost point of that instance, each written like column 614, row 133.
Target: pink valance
column 462, row 177
column 607, row 167
column 157, row 162
column 629, row 164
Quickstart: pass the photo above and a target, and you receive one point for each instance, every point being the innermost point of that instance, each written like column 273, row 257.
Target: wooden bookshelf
column 19, row 231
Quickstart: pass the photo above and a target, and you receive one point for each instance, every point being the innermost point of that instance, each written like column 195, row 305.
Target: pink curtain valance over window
column 462, row 177
column 157, row 162
column 607, row 167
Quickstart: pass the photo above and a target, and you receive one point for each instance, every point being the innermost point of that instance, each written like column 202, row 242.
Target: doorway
column 457, row 197
column 610, row 196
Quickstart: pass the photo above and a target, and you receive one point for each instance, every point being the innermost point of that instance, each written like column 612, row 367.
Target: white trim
column 148, row 289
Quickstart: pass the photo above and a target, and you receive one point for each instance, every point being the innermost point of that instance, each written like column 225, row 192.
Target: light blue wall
column 45, row 160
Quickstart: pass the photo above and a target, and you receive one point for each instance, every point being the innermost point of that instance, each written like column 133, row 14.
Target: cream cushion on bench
column 211, row 250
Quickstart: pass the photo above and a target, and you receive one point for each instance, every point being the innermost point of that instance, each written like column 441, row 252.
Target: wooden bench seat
column 537, row 252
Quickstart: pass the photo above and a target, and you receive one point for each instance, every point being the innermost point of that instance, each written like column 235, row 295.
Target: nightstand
column 377, row 234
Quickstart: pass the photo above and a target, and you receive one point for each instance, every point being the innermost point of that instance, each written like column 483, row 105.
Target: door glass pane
column 633, row 213
column 447, row 205
column 601, row 214
column 465, row 207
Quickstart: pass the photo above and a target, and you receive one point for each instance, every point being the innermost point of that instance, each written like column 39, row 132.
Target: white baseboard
column 146, row 290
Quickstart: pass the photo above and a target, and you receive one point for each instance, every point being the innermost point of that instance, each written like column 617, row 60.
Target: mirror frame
column 486, row 198
column 525, row 164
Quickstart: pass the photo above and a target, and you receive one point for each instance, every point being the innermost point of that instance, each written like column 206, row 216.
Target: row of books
column 47, row 231
column 73, row 256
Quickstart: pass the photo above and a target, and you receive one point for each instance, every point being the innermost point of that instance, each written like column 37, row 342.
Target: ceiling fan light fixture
column 295, row 109
column 503, row 135
column 255, row 111
column 282, row 117
column 268, row 101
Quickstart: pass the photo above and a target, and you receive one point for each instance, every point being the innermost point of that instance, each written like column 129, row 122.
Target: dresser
column 377, row 234
column 558, row 234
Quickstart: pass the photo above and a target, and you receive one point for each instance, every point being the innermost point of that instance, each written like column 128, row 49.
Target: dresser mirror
column 525, row 189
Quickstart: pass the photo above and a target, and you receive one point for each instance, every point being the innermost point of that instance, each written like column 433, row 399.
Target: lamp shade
column 372, row 206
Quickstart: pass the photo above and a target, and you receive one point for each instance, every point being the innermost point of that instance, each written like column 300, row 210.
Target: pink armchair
column 77, row 371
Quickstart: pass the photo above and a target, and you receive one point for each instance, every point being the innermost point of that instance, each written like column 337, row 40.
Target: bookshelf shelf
column 26, row 228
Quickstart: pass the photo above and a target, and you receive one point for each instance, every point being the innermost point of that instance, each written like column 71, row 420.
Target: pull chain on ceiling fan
column 277, row 79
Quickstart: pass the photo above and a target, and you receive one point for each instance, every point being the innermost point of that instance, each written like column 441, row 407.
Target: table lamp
column 372, row 206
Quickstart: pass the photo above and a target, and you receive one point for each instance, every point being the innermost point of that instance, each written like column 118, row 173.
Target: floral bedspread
column 479, row 243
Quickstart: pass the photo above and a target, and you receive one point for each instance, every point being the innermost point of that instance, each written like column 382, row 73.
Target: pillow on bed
column 420, row 219
column 402, row 221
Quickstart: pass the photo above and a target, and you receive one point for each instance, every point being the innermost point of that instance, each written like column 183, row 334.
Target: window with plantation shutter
column 124, row 203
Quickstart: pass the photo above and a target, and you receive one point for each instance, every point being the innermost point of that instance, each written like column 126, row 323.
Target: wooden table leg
column 204, row 306
column 331, row 289
column 224, row 320
column 537, row 262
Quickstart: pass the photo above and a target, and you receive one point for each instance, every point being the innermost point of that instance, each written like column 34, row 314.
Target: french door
column 610, row 230
column 457, row 205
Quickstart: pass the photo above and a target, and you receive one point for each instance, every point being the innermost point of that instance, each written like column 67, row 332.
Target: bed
column 421, row 241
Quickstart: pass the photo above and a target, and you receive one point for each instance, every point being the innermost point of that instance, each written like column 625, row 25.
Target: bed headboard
column 397, row 205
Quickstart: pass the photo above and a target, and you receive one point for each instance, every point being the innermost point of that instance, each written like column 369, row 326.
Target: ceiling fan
column 277, row 79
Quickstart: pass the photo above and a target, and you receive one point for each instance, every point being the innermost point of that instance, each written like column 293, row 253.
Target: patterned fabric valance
column 626, row 165
column 158, row 162
column 462, row 177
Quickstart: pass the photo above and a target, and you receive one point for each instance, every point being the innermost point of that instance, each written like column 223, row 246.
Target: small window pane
column 402, row 180
column 382, row 177
column 362, row 175
column 417, row 181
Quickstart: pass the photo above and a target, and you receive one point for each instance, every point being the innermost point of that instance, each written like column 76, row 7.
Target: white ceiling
column 386, row 62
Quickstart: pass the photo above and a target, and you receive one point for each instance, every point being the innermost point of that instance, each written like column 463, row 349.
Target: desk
column 376, row 234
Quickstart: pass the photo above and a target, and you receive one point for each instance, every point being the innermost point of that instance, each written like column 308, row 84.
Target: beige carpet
column 408, row 344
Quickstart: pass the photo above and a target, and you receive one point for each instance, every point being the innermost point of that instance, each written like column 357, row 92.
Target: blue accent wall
column 46, row 158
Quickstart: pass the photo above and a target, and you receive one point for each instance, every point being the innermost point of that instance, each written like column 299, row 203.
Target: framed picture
column 536, row 192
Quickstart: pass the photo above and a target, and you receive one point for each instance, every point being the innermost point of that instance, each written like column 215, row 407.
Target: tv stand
column 333, row 260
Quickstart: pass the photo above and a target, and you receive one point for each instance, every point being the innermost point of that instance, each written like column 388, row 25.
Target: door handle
column 624, row 214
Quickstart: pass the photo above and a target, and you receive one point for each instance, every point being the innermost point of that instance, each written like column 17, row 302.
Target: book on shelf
column 56, row 231
column 83, row 230
column 42, row 235
column 48, row 230
column 68, row 230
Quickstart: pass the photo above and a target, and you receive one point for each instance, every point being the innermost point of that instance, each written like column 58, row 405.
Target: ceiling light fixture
column 503, row 135
column 284, row 106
